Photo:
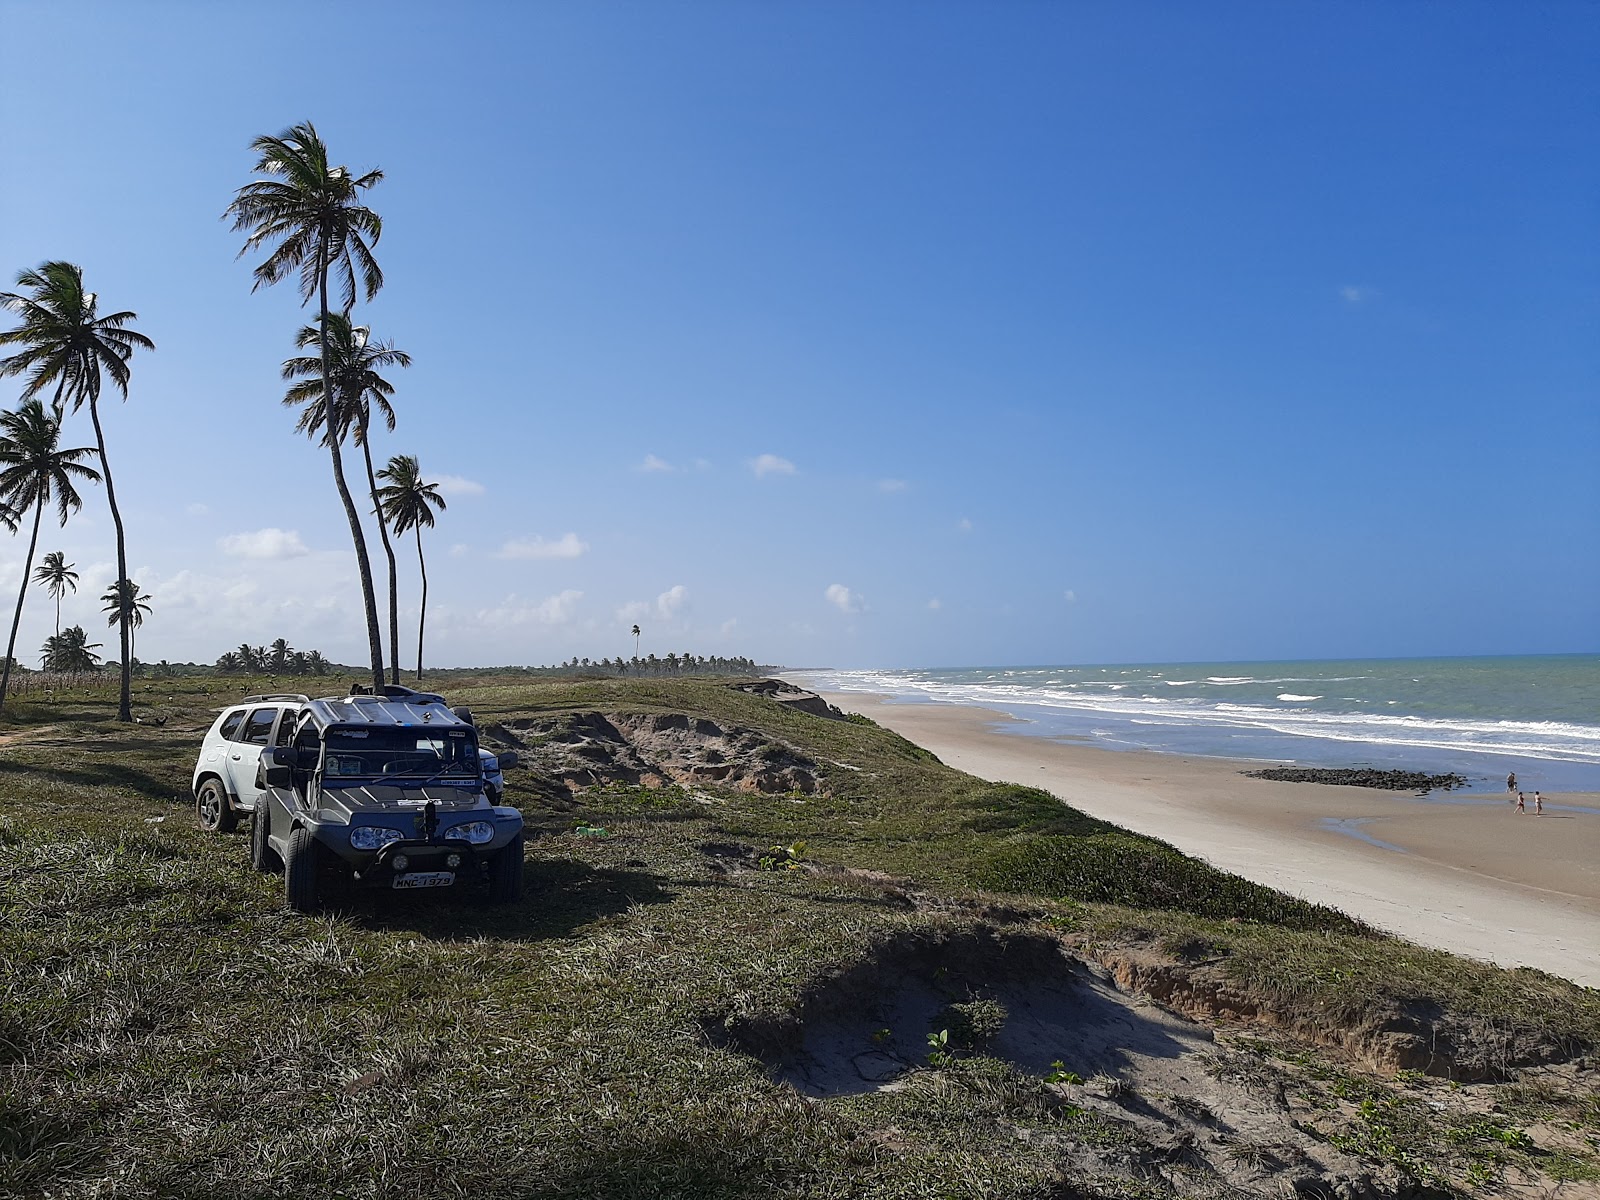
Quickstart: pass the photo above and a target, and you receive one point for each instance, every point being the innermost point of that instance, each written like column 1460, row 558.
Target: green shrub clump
column 1116, row 868
column 971, row 1025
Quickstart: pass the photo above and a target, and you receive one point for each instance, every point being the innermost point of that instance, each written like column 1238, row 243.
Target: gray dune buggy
column 382, row 791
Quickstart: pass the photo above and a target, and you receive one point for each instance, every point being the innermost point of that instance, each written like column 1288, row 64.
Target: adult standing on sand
column 1511, row 782
column 1538, row 804
column 1522, row 803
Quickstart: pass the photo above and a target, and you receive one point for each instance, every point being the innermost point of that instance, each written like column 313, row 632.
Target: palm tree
column 315, row 663
column 66, row 344
column 71, row 652
column 123, row 602
column 636, row 641
column 358, row 389
column 313, row 214
column 279, row 654
column 57, row 575
column 247, row 656
column 409, row 502
column 34, row 470
column 228, row 662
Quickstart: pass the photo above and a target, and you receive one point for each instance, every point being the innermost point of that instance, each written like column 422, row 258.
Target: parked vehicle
column 227, row 771
column 380, row 791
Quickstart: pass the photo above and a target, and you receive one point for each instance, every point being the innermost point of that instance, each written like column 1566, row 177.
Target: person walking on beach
column 1538, row 804
column 1522, row 803
column 1511, row 782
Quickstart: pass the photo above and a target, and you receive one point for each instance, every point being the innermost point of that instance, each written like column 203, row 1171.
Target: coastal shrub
column 1114, row 868
column 971, row 1025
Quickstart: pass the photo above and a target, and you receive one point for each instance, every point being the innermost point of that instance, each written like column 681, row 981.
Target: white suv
column 227, row 779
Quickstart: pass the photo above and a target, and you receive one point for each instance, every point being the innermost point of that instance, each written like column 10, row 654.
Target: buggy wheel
column 302, row 870
column 262, row 856
column 505, row 874
column 212, row 807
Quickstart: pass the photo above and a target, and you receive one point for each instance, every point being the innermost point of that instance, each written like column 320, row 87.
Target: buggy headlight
column 474, row 832
column 374, row 837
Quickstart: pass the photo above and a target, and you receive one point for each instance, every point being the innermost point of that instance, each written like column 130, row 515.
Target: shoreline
column 1450, row 871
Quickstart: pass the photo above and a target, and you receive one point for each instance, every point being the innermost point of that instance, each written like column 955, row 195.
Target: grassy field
column 168, row 1028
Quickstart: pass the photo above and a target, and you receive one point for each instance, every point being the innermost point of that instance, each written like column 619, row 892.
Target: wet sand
column 1460, row 872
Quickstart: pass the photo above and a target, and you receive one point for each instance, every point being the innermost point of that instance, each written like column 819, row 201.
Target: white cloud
column 454, row 485
column 771, row 464
column 264, row 543
column 702, row 464
column 1070, row 596
column 460, row 550
column 728, row 626
column 552, row 610
column 1355, row 293
column 666, row 606
column 892, row 485
column 935, row 604
column 567, row 545
column 964, row 525
column 197, row 509
column 652, row 463
column 844, row 599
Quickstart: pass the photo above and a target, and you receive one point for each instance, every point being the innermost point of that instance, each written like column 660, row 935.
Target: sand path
column 1463, row 873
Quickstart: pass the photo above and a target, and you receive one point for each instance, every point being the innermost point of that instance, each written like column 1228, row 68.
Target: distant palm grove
column 307, row 217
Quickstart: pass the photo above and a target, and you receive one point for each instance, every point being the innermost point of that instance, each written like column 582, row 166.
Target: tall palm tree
column 71, row 651
column 124, row 603
column 636, row 641
column 312, row 214
column 409, row 502
column 358, row 389
column 64, row 342
column 34, row 470
column 58, row 577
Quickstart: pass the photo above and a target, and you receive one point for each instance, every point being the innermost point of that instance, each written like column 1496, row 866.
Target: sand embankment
column 1463, row 873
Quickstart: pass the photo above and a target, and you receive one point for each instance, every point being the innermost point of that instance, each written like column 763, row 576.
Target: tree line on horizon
column 308, row 215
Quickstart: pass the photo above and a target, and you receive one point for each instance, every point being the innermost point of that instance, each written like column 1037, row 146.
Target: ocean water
column 1481, row 717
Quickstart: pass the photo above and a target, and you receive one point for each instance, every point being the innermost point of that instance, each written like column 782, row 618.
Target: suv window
column 286, row 728
column 231, row 723
column 258, row 730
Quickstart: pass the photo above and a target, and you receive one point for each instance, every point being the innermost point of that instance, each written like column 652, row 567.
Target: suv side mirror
column 507, row 759
column 277, row 765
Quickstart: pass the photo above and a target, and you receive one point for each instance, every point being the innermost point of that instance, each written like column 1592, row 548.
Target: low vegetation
column 168, row 1029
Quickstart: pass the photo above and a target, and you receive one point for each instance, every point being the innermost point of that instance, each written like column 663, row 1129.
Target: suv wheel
column 212, row 807
column 505, row 874
column 262, row 856
column 302, row 871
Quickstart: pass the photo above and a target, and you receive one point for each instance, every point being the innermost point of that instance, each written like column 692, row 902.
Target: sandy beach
column 1463, row 873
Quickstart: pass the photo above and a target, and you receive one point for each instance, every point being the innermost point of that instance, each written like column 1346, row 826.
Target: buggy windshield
column 442, row 754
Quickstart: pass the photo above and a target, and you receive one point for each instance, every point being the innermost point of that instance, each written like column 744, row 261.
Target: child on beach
column 1522, row 803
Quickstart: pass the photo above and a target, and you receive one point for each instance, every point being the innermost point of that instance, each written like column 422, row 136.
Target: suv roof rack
column 276, row 696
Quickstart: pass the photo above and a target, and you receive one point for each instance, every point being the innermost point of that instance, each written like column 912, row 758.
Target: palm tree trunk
column 16, row 620
column 125, row 700
column 388, row 549
column 422, row 616
column 330, row 423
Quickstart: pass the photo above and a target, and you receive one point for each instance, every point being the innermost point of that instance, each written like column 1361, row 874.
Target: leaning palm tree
column 124, row 603
column 58, row 577
column 409, row 502
column 312, row 214
column 71, row 652
column 35, row 470
column 358, row 389
column 66, row 344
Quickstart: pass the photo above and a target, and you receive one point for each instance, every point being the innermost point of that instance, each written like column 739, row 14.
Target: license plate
column 422, row 879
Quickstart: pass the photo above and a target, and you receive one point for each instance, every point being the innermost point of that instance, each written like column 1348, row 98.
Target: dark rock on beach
column 1393, row 781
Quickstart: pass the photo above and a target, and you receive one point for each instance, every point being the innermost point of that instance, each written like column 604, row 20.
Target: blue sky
column 889, row 334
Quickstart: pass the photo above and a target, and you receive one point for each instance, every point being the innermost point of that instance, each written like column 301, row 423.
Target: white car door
column 244, row 754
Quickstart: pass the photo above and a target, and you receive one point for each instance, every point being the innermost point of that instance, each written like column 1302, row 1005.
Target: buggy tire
column 262, row 856
column 212, row 807
column 302, row 871
column 505, row 874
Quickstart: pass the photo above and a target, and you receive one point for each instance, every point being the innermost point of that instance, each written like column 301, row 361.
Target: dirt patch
column 1415, row 1037
column 590, row 749
column 790, row 696
column 26, row 735
column 1150, row 1078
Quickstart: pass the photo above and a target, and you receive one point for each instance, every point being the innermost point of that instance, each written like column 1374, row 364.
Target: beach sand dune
column 1459, row 872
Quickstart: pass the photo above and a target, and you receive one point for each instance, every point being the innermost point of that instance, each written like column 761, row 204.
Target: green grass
column 167, row 1028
